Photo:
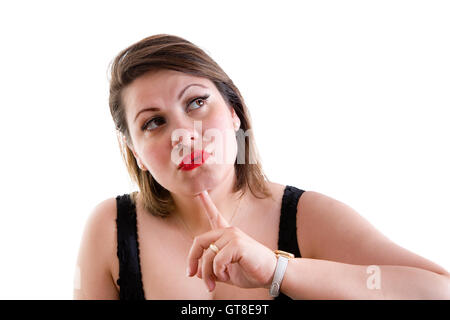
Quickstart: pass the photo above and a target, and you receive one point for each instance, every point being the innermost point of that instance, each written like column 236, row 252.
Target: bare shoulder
column 329, row 229
column 104, row 212
column 100, row 229
column 97, row 250
column 277, row 190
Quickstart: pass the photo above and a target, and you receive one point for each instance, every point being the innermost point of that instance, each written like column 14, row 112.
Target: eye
column 196, row 100
column 149, row 125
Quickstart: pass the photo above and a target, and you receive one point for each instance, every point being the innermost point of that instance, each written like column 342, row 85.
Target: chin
column 195, row 187
column 206, row 180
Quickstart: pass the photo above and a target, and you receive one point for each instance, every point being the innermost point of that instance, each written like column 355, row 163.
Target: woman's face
column 167, row 109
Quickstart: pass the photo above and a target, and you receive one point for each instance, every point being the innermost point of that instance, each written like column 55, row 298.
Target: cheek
column 155, row 160
column 218, row 123
column 221, row 134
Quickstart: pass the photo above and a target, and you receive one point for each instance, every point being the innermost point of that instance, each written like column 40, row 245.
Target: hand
column 241, row 260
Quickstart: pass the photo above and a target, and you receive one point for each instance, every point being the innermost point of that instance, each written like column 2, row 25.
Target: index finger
column 215, row 217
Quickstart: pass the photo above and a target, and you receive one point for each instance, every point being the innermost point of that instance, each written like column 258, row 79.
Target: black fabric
column 287, row 236
column 130, row 276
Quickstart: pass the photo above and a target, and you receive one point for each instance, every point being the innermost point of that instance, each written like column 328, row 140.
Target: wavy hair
column 164, row 51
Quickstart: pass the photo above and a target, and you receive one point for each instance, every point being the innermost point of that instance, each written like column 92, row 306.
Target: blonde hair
column 170, row 52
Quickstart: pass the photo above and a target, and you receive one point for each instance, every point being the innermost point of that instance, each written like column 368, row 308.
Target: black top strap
column 287, row 236
column 130, row 278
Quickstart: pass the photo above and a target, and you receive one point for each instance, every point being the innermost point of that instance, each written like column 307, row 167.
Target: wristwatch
column 282, row 262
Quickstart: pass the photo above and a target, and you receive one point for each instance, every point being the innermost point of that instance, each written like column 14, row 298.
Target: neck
column 192, row 213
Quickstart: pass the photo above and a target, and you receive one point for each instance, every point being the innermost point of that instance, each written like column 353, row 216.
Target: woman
column 206, row 221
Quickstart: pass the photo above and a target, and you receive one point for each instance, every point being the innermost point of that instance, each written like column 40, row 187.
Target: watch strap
column 280, row 269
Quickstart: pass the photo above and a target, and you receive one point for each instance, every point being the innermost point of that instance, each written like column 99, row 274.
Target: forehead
column 157, row 88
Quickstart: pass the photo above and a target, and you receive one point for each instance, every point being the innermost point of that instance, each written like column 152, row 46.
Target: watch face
column 274, row 289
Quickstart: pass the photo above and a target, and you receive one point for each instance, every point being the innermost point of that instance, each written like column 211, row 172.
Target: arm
column 338, row 245
column 321, row 279
column 93, row 271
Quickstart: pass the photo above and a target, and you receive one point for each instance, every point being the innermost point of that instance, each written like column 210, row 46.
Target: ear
column 125, row 142
column 236, row 120
column 138, row 160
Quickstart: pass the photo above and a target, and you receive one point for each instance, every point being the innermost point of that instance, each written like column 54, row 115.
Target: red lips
column 194, row 160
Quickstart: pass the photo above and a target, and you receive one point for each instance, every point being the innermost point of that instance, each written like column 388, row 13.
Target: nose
column 186, row 137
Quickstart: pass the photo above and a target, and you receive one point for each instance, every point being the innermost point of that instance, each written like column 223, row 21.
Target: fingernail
column 188, row 272
column 224, row 276
column 209, row 285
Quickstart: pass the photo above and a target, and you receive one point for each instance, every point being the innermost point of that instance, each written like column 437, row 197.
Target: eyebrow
column 179, row 97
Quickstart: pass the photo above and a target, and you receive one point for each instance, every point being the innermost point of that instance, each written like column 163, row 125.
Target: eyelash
column 146, row 124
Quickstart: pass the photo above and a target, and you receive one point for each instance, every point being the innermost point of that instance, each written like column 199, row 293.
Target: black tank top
column 130, row 277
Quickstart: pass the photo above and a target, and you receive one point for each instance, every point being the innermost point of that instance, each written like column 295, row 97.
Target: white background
column 348, row 98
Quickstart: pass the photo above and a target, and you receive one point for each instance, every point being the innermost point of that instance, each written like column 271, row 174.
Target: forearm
column 322, row 279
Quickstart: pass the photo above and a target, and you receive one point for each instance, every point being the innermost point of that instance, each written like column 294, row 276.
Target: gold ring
column 214, row 248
